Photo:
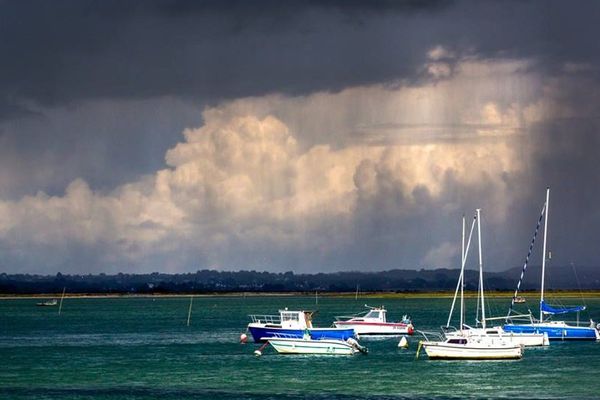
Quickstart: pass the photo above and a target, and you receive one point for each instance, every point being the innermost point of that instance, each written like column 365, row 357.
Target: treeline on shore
column 211, row 281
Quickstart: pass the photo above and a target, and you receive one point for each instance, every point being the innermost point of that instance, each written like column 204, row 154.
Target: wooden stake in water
column 61, row 300
column 356, row 295
column 316, row 297
column 190, row 310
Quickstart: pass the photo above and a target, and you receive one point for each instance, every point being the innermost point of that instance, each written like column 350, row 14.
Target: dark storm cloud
column 55, row 52
column 65, row 51
column 70, row 53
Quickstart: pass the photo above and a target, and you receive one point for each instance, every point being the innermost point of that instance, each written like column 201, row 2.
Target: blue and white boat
column 292, row 324
column 556, row 330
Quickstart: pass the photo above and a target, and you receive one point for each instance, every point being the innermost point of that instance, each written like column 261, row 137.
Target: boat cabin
column 295, row 319
column 378, row 314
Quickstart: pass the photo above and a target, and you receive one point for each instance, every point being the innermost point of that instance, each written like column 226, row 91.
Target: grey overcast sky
column 308, row 136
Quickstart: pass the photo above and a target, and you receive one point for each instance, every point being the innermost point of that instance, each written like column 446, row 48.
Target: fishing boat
column 307, row 345
column 47, row 303
column 374, row 322
column 292, row 324
column 461, row 345
column 556, row 330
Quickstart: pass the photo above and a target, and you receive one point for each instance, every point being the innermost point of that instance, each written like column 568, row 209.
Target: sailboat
column 528, row 339
column 461, row 345
column 556, row 330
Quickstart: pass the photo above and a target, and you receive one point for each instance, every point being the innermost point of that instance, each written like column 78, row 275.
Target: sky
column 305, row 136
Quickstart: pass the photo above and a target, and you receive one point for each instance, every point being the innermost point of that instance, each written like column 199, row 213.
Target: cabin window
column 493, row 332
column 289, row 317
column 458, row 341
column 373, row 314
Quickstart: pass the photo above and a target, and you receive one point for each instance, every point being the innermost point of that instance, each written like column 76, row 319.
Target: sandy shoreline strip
column 532, row 296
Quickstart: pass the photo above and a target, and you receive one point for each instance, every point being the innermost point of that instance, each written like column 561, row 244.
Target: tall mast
column 547, row 208
column 61, row 300
column 462, row 277
column 190, row 310
column 462, row 271
column 480, row 269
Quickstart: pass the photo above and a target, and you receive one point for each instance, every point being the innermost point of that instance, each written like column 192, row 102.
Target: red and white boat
column 374, row 322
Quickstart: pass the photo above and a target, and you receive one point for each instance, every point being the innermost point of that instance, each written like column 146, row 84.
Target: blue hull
column 554, row 332
column 315, row 333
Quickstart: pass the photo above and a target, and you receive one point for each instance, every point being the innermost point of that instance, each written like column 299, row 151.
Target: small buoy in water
column 243, row 338
column 403, row 343
column 257, row 353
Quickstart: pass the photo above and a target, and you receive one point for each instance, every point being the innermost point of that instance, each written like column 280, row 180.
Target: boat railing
column 279, row 335
column 529, row 318
column 427, row 334
column 448, row 328
column 265, row 319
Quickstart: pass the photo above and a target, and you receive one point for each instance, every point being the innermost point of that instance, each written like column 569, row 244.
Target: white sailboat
column 472, row 348
column 462, row 345
column 529, row 339
column 524, row 339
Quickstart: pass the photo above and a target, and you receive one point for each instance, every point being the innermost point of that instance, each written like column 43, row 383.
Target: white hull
column 387, row 329
column 374, row 322
column 519, row 339
column 304, row 346
column 472, row 351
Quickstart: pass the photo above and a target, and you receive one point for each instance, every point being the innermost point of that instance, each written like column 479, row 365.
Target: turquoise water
column 141, row 348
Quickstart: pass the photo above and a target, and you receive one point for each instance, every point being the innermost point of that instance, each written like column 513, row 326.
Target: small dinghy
column 47, row 303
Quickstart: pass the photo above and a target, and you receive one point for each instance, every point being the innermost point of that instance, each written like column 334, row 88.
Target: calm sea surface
column 141, row 348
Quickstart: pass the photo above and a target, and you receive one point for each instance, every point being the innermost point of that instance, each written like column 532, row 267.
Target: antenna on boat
column 61, row 300
column 462, row 278
column 544, row 251
column 480, row 269
column 190, row 310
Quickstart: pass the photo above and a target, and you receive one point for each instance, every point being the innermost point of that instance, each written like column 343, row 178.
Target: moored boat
column 461, row 345
column 47, row 303
column 527, row 339
column 306, row 345
column 472, row 348
column 555, row 330
column 292, row 324
column 374, row 322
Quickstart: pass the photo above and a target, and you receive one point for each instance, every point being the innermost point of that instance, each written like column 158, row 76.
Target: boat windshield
column 373, row 314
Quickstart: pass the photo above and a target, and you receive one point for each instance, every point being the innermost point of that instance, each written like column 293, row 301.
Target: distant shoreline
column 385, row 295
